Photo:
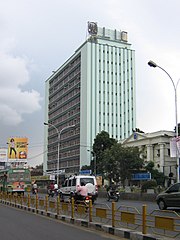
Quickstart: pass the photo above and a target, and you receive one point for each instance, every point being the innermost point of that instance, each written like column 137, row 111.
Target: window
column 175, row 188
column 168, row 152
column 74, row 182
column 158, row 152
column 87, row 180
column 69, row 183
column 65, row 183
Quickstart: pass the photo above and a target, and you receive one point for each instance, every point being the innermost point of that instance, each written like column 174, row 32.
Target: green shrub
column 151, row 184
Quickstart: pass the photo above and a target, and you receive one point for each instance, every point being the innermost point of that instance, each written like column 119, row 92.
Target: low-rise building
column 155, row 147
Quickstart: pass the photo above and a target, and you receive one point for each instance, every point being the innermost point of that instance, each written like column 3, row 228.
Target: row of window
column 113, row 50
column 113, row 93
column 71, row 153
column 65, row 92
column 116, row 73
column 66, row 107
column 66, row 70
column 64, row 164
column 60, row 102
column 74, row 121
column 112, row 83
column 117, row 103
column 63, row 88
column 65, row 134
column 70, row 113
column 65, row 144
column 156, row 153
column 115, row 62
column 63, row 156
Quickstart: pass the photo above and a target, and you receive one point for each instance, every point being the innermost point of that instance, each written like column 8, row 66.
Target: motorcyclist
column 56, row 188
column 111, row 189
column 51, row 188
column 82, row 191
column 34, row 188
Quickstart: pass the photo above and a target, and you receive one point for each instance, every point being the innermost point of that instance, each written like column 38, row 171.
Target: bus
column 15, row 180
column 43, row 182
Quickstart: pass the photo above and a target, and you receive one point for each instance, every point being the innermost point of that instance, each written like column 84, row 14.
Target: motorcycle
column 34, row 191
column 114, row 195
column 51, row 193
column 87, row 200
column 56, row 191
column 83, row 201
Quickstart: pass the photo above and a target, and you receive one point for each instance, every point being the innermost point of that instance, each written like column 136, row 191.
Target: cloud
column 14, row 101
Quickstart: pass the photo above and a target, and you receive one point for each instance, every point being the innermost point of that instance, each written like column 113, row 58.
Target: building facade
column 155, row 147
column 93, row 90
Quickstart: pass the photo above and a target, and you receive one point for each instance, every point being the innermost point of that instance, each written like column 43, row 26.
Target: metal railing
column 159, row 223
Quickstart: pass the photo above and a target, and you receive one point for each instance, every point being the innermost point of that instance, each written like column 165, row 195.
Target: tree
column 119, row 162
column 101, row 143
column 155, row 174
column 86, row 167
column 137, row 130
column 150, row 166
column 37, row 171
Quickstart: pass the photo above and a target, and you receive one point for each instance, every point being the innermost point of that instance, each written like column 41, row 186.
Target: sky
column 38, row 36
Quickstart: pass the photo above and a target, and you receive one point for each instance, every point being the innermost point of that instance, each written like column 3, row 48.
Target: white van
column 71, row 184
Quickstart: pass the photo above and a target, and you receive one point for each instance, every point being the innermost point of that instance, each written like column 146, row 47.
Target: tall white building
column 95, row 90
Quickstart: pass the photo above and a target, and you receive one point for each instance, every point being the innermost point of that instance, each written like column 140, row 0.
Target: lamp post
column 153, row 64
column 59, row 138
column 94, row 158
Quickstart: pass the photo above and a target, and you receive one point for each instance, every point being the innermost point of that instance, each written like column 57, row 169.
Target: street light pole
column 153, row 64
column 59, row 138
column 95, row 170
column 94, row 158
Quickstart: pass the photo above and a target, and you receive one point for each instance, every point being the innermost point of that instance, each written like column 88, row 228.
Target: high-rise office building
column 93, row 90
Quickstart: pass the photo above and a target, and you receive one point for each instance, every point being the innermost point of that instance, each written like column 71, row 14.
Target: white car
column 71, row 184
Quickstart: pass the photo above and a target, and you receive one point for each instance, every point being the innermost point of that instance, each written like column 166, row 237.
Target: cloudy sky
column 37, row 36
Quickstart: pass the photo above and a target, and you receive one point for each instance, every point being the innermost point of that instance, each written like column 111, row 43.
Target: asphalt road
column 151, row 206
column 16, row 224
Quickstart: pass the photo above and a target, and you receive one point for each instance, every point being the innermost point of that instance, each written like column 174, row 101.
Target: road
column 18, row 224
column 151, row 206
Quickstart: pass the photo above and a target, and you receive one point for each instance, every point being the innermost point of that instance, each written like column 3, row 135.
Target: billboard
column 175, row 146
column 3, row 155
column 141, row 176
column 17, row 149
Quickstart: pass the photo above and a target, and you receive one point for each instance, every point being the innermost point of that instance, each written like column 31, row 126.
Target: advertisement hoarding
column 17, row 149
column 175, row 146
column 3, row 155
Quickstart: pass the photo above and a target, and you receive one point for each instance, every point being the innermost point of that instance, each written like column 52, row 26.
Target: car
column 71, row 184
column 169, row 198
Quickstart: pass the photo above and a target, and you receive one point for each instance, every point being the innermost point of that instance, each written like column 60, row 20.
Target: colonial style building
column 155, row 147
column 93, row 90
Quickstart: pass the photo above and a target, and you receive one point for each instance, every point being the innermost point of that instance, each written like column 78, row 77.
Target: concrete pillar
column 162, row 156
column 150, row 156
